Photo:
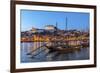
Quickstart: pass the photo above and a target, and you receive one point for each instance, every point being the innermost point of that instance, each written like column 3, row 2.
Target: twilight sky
column 38, row 19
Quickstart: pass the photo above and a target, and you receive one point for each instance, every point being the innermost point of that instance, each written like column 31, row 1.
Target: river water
column 43, row 54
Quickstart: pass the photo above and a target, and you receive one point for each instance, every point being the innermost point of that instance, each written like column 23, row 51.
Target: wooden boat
column 63, row 49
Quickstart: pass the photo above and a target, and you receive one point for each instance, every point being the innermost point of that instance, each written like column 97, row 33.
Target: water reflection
column 43, row 54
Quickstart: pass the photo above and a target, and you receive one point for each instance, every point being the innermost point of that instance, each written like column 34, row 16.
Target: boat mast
column 66, row 25
column 55, row 32
column 56, row 27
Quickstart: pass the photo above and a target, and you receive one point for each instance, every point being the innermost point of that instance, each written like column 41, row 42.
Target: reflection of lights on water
column 43, row 54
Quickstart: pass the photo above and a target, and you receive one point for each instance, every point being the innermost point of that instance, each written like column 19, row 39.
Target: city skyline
column 39, row 19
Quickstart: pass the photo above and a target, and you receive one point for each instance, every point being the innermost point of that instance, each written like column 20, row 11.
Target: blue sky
column 38, row 19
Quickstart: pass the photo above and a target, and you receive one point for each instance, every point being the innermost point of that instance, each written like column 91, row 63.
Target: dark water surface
column 43, row 55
